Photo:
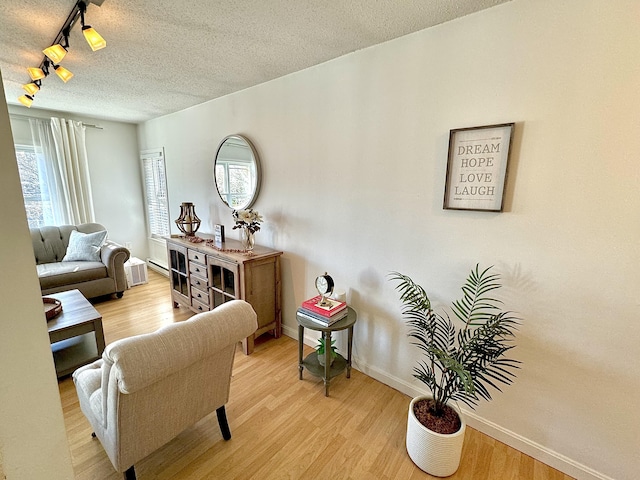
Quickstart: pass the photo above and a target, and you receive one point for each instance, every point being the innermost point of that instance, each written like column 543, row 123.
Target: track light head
column 64, row 74
column 93, row 38
column 36, row 73
column 55, row 53
column 26, row 100
column 32, row 88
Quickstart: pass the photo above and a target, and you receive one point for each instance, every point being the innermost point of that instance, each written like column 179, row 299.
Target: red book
column 333, row 307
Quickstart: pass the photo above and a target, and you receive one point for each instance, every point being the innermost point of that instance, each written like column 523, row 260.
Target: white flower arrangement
column 248, row 218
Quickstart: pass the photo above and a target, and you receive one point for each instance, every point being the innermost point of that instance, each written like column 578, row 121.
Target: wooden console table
column 203, row 277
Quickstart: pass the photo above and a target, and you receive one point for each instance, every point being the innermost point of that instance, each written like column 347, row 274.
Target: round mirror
column 236, row 172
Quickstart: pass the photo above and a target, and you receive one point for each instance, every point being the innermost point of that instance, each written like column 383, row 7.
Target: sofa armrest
column 114, row 256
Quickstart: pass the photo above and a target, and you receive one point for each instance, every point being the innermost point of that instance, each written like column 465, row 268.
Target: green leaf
column 461, row 364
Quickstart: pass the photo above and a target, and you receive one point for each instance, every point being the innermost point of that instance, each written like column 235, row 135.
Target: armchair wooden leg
column 224, row 425
column 130, row 473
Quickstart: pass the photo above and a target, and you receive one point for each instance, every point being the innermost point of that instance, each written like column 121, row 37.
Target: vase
column 435, row 453
column 321, row 361
column 248, row 239
column 188, row 222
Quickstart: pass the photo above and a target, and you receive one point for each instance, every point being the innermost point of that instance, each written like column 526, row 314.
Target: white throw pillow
column 84, row 247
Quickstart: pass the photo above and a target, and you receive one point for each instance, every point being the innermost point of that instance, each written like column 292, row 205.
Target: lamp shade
column 64, row 74
column 35, row 73
column 93, row 38
column 55, row 53
column 188, row 222
column 31, row 88
column 26, row 100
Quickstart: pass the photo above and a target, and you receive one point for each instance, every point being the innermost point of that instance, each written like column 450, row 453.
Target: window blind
column 155, row 192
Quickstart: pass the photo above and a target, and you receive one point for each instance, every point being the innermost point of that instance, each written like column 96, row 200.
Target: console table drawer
column 198, row 269
column 200, row 295
column 197, row 282
column 199, row 306
column 196, row 256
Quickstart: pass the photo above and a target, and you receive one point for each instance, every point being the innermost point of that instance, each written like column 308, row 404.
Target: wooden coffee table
column 76, row 334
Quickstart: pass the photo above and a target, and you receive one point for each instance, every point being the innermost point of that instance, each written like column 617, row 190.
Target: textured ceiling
column 166, row 55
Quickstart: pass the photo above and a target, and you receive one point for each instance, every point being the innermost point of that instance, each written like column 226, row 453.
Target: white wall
column 33, row 442
column 354, row 156
column 114, row 168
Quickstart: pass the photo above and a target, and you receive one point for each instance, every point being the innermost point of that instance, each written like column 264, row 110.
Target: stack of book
column 324, row 314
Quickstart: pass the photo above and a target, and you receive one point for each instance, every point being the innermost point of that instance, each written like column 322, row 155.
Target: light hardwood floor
column 282, row 427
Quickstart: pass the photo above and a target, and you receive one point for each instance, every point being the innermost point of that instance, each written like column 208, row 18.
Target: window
column 234, row 182
column 155, row 192
column 55, row 181
column 236, row 174
column 37, row 201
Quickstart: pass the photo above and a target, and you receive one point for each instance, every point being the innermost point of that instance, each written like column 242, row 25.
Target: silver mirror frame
column 256, row 160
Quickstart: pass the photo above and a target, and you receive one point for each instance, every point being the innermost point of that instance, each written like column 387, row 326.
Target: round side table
column 329, row 370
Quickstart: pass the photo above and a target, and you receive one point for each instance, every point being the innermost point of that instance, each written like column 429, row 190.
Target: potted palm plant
column 462, row 360
column 320, row 349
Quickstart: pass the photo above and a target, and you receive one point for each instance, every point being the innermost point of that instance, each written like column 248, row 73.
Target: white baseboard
column 293, row 333
column 520, row 443
column 545, row 455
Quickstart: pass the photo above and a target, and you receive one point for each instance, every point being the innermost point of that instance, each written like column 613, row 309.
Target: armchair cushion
column 84, row 247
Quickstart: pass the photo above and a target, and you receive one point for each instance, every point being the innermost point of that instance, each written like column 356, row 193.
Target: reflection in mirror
column 237, row 172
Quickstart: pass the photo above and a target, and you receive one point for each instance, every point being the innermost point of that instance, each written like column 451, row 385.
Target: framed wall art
column 477, row 167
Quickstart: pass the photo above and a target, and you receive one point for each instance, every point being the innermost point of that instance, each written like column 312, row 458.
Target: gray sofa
column 92, row 278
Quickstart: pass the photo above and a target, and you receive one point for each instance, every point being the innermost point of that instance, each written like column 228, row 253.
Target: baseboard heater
column 157, row 267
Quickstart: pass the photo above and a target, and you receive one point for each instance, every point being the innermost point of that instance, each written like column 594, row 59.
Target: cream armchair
column 147, row 389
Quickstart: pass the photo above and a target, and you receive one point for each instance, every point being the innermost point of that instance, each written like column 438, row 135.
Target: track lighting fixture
column 59, row 49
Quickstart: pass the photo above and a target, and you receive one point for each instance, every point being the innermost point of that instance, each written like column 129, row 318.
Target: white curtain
column 62, row 160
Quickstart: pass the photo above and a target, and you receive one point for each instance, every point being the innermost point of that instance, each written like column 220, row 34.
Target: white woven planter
column 435, row 453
